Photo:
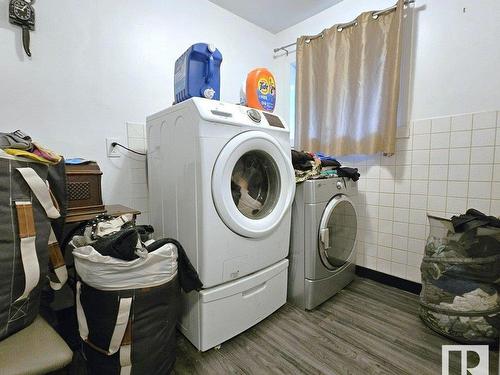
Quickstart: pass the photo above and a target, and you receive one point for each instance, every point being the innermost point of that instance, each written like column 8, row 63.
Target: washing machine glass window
column 255, row 184
column 337, row 234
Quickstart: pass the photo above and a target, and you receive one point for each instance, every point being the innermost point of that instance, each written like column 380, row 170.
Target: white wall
column 451, row 159
column 100, row 63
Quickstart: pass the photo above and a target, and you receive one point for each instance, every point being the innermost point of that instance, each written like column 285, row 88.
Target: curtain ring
column 375, row 15
column 343, row 26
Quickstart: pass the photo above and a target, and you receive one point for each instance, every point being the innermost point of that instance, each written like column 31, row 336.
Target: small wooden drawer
column 84, row 190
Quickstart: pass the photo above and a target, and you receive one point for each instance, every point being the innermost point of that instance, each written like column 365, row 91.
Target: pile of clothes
column 460, row 277
column 18, row 143
column 317, row 165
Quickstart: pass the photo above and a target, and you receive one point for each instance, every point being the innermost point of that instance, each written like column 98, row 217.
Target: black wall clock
column 21, row 13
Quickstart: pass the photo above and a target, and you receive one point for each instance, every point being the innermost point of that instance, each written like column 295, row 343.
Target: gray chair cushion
column 36, row 349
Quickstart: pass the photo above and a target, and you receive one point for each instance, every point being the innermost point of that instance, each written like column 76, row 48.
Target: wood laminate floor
column 368, row 328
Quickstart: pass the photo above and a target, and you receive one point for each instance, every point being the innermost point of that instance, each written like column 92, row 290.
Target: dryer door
column 253, row 184
column 337, row 232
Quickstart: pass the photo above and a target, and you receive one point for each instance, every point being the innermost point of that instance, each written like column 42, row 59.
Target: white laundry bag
column 107, row 273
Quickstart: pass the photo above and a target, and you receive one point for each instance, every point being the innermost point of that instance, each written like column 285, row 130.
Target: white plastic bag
column 107, row 273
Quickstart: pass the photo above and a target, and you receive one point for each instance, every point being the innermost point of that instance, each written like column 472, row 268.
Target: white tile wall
column 139, row 195
column 448, row 164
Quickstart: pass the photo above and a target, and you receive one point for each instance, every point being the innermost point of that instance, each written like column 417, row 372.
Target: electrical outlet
column 112, row 151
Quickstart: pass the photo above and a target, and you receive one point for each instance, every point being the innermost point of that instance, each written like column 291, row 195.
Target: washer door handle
column 325, row 237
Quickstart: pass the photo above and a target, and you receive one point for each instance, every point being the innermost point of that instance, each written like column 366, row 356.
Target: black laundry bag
column 128, row 297
column 25, row 212
column 149, row 338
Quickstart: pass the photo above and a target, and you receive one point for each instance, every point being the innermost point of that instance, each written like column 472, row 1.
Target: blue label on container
column 266, row 92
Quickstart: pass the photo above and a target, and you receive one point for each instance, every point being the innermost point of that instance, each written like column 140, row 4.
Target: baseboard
column 396, row 282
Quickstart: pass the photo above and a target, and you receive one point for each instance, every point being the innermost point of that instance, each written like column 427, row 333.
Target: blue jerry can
column 197, row 73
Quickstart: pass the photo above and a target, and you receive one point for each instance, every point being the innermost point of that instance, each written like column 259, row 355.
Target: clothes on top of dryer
column 330, row 163
column 317, row 165
column 315, row 171
column 301, row 160
column 305, row 161
column 352, row 173
column 327, row 160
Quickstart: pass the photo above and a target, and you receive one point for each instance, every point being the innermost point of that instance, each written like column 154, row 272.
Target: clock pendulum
column 22, row 14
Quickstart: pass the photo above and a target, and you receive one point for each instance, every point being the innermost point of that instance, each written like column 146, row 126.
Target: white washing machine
column 323, row 243
column 222, row 183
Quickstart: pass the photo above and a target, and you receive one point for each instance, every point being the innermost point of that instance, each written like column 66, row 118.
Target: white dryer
column 323, row 244
column 222, row 183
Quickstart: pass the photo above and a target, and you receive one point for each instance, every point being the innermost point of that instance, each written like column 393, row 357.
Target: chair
column 36, row 349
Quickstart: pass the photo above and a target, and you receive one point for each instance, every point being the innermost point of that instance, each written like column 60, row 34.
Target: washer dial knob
column 254, row 115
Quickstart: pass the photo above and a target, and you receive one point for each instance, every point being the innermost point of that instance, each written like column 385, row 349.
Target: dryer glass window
column 255, row 184
column 339, row 236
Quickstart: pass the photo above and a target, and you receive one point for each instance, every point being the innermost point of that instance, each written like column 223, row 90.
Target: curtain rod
column 342, row 26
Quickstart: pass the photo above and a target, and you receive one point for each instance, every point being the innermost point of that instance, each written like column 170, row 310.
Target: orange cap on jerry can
column 261, row 90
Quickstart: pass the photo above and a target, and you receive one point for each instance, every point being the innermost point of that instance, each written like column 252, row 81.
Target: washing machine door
column 337, row 233
column 253, row 184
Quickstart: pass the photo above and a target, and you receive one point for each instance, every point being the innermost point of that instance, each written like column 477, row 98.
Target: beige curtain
column 347, row 86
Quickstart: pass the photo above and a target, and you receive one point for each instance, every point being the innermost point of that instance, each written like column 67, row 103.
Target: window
column 291, row 123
